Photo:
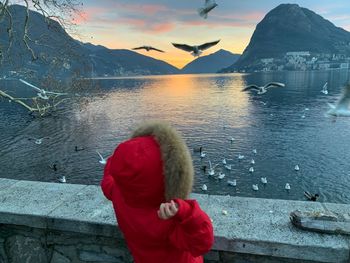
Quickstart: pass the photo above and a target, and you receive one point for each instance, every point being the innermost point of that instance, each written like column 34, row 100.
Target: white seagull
column 208, row 6
column 228, row 166
column 264, row 180
column 62, row 179
column 196, row 51
column 42, row 93
column 342, row 108
column 38, row 140
column 252, row 161
column 204, row 187
column 240, row 157
column 148, row 48
column 255, row 187
column 232, row 183
column 287, row 187
column 324, row 88
column 263, row 89
column 211, row 171
column 103, row 160
column 296, row 168
column 221, row 176
column 251, row 169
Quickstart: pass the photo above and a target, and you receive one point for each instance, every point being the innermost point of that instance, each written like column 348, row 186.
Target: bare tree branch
column 42, row 107
column 60, row 11
column 25, row 35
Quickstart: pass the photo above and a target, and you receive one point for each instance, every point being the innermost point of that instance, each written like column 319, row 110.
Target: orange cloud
column 145, row 9
column 132, row 22
column 244, row 21
column 152, row 9
column 87, row 14
column 161, row 28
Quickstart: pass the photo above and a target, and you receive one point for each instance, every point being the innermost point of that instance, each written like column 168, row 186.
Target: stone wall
column 26, row 244
column 62, row 223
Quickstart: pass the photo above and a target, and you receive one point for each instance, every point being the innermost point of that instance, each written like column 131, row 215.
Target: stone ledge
column 252, row 226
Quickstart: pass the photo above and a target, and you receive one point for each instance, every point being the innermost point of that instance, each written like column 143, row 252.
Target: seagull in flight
column 208, row 6
column 41, row 92
column 148, row 48
column 212, row 168
column 196, row 51
column 324, row 89
column 311, row 197
column 263, row 89
column 342, row 108
column 103, row 160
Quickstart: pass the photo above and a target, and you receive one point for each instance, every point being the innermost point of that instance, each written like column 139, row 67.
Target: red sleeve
column 194, row 231
column 107, row 183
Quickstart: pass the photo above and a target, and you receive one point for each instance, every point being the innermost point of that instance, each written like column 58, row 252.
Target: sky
column 125, row 24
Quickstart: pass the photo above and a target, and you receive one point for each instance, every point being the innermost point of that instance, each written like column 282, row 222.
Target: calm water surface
column 208, row 110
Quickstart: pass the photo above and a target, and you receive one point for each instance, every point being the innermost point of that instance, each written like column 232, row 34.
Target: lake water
column 208, row 110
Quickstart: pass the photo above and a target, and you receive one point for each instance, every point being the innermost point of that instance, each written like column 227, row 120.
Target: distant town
column 300, row 61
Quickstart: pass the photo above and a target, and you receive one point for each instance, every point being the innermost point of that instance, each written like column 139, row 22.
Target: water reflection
column 208, row 110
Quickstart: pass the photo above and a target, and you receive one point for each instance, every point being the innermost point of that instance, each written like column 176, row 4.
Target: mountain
column 211, row 63
column 58, row 54
column 290, row 27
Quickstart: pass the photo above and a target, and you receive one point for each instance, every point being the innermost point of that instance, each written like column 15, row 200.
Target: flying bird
column 211, row 171
column 324, row 88
column 103, row 160
column 311, row 197
column 263, row 89
column 342, row 108
column 208, row 6
column 148, row 48
column 196, row 51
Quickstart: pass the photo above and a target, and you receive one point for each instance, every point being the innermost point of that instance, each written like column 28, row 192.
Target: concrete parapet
column 75, row 223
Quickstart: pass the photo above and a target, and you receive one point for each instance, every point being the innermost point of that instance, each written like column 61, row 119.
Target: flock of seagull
column 195, row 50
column 340, row 109
column 218, row 174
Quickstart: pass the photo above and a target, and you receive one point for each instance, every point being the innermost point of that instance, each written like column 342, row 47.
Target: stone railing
column 62, row 223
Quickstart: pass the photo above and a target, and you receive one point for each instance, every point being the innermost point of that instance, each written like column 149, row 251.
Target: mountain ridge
column 60, row 55
column 211, row 63
column 289, row 27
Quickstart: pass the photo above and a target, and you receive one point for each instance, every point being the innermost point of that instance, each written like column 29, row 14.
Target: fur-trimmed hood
column 177, row 162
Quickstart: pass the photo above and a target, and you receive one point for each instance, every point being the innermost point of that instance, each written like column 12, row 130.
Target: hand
column 168, row 210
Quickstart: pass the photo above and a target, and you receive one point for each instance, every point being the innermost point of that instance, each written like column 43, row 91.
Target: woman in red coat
column 149, row 178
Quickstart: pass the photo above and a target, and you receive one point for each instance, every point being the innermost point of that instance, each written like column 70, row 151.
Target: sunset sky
column 121, row 24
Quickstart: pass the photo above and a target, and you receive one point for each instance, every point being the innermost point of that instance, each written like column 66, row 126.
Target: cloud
column 145, row 9
column 161, row 28
column 88, row 14
column 247, row 20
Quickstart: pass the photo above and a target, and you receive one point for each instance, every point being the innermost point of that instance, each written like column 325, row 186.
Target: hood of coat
column 154, row 166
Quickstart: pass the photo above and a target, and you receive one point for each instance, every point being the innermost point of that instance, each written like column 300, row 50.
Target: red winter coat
column 136, row 180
